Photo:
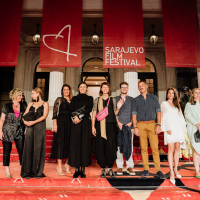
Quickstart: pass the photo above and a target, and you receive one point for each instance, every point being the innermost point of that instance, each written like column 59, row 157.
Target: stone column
column 131, row 77
column 112, row 81
column 20, row 70
column 119, row 77
column 70, row 78
column 171, row 77
column 55, row 85
column 198, row 77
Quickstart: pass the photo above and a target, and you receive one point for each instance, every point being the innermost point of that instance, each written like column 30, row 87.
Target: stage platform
column 93, row 187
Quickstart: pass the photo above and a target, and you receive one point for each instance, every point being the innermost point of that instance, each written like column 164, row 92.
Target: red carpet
column 93, row 187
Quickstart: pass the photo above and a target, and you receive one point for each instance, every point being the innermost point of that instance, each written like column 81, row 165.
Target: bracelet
column 158, row 125
column 135, row 127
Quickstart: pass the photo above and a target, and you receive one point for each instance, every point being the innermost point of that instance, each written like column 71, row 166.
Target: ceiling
column 152, row 11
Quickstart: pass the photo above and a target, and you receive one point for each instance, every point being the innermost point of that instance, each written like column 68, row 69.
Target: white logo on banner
column 115, row 55
column 58, row 35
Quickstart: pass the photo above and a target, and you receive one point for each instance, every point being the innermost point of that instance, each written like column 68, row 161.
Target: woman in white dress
column 192, row 116
column 173, row 124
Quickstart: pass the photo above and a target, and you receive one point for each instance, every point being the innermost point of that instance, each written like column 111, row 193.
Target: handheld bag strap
column 108, row 102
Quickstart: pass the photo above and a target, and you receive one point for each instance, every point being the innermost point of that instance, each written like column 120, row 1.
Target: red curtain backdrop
column 10, row 24
column 123, row 34
column 61, row 35
column 180, row 33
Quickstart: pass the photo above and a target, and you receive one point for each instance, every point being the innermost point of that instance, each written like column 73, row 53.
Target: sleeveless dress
column 35, row 147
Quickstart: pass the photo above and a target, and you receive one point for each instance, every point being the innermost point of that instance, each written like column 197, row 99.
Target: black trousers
column 106, row 150
column 7, row 148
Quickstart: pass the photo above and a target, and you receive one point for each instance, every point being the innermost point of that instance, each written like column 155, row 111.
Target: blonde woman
column 35, row 141
column 192, row 116
column 10, row 127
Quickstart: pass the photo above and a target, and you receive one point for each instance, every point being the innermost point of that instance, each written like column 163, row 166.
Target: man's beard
column 123, row 92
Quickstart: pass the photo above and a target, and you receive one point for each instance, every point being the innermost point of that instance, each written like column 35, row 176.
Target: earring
column 37, row 98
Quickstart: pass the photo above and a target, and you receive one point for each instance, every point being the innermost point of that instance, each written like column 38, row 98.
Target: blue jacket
column 124, row 140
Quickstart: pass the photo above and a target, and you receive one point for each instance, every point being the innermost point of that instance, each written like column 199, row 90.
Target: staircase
column 49, row 137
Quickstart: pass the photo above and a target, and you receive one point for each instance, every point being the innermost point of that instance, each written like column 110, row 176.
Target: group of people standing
column 113, row 123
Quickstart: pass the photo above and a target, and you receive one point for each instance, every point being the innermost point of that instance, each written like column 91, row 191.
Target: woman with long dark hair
column 10, row 128
column 61, row 128
column 80, row 152
column 192, row 116
column 35, row 142
column 173, row 124
column 105, row 131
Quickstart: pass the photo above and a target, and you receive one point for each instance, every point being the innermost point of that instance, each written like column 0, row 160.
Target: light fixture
column 96, row 67
column 36, row 36
column 95, row 36
column 153, row 37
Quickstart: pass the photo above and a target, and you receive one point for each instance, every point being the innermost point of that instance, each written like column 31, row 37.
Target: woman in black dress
column 9, row 128
column 80, row 152
column 105, row 131
column 35, row 142
column 61, row 127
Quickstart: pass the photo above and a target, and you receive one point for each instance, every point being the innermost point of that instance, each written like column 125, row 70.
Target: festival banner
column 10, row 23
column 61, row 36
column 180, row 33
column 123, row 34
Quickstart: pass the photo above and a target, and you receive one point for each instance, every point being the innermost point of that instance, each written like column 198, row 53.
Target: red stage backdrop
column 10, row 23
column 61, row 35
column 180, row 33
column 123, row 34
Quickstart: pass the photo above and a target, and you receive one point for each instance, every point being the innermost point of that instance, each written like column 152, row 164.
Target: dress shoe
column 67, row 169
column 83, row 172
column 60, row 173
column 77, row 173
column 8, row 175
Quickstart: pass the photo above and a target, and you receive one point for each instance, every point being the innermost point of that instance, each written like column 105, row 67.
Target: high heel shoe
column 172, row 180
column 177, row 175
column 60, row 173
column 83, row 172
column 77, row 173
column 67, row 170
column 8, row 175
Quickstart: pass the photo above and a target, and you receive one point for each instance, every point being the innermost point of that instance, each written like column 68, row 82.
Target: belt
column 152, row 121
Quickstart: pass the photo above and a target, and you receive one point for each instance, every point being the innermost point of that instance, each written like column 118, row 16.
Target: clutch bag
column 30, row 116
column 78, row 112
column 197, row 136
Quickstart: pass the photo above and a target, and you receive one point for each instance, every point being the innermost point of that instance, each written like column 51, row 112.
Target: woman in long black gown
column 35, row 142
column 80, row 152
column 61, row 127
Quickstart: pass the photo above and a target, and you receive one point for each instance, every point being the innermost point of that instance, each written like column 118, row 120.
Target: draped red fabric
column 10, row 24
column 123, row 34
column 180, row 33
column 61, row 35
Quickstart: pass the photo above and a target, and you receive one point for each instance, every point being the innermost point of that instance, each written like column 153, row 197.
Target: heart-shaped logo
column 59, row 35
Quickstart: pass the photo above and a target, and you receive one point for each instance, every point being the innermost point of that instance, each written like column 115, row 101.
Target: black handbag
column 197, row 136
column 78, row 112
column 30, row 116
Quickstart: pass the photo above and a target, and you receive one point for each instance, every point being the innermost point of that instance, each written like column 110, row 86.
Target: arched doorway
column 148, row 74
column 94, row 74
column 41, row 80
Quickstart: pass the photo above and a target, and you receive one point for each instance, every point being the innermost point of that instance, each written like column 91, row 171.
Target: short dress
column 172, row 120
column 192, row 116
